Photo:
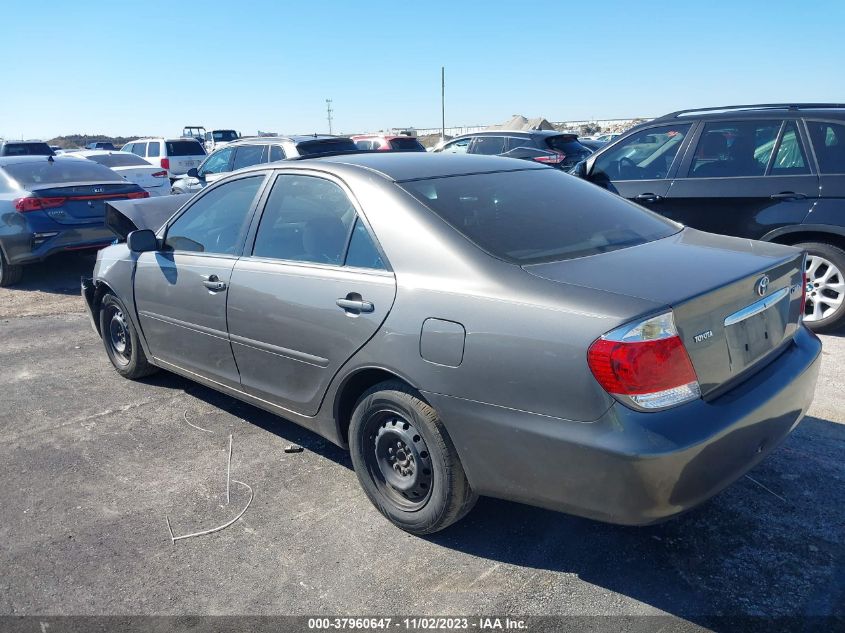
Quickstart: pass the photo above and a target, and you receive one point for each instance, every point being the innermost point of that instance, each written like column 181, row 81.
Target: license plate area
column 756, row 330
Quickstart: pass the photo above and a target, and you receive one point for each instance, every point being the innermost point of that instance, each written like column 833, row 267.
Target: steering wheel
column 624, row 164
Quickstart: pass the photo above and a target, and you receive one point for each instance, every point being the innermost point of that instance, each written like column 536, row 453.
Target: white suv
column 175, row 155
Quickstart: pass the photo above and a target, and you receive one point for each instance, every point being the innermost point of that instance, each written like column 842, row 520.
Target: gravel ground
column 93, row 464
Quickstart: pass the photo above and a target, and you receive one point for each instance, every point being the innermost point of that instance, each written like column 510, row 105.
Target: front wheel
column 406, row 462
column 825, row 307
column 121, row 340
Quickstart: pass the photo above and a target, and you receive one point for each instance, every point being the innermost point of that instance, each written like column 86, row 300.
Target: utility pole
column 442, row 103
column 329, row 113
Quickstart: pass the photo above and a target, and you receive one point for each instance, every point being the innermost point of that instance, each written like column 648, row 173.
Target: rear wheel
column 121, row 340
column 9, row 275
column 405, row 460
column 825, row 269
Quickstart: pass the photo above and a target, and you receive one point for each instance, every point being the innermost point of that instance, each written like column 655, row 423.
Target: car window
column 488, row 145
column 734, row 148
column 119, row 160
column 646, row 155
column 362, row 249
column 364, row 145
column 276, row 153
column 513, row 142
column 324, row 146
column 460, row 146
column 216, row 222
column 790, row 158
column 406, row 144
column 184, row 148
column 217, row 163
column 59, row 171
column 247, row 155
column 534, row 215
column 306, row 219
column 154, row 149
column 27, row 149
column 139, row 148
column 829, row 144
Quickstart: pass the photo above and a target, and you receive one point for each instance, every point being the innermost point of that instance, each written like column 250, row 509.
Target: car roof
column 103, row 152
column 516, row 132
column 757, row 111
column 9, row 141
column 404, row 166
column 16, row 160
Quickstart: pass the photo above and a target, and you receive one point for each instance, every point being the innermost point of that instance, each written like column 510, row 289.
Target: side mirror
column 142, row 241
column 580, row 169
column 193, row 173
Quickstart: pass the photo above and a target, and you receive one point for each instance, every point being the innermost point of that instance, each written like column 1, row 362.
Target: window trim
column 252, row 233
column 801, row 145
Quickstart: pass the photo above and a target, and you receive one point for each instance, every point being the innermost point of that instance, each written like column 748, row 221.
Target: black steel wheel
column 121, row 340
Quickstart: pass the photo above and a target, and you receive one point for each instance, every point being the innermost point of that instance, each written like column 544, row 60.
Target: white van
column 175, row 155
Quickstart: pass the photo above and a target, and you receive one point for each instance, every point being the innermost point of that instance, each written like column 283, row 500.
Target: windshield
column 119, row 160
column 310, row 148
column 406, row 144
column 538, row 215
column 225, row 135
column 60, row 171
column 27, row 149
column 184, row 148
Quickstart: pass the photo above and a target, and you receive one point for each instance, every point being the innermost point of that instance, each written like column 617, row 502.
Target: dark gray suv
column 549, row 147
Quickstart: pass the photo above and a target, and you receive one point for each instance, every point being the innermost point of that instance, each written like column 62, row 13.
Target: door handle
column 648, row 197
column 213, row 283
column 354, row 304
column 788, row 195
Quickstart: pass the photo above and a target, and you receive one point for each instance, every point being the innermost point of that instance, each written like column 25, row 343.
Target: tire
column 825, row 308
column 121, row 340
column 406, row 462
column 9, row 274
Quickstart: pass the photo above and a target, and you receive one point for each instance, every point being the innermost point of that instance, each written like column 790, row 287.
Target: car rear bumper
column 27, row 248
column 629, row 467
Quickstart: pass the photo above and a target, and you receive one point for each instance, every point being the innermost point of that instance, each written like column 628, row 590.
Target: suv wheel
column 825, row 309
column 405, row 460
column 9, row 274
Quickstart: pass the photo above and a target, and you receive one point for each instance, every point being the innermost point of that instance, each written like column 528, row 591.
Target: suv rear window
column 311, row 148
column 119, row 160
column 538, row 215
column 60, row 171
column 567, row 144
column 406, row 144
column 27, row 149
column 184, row 148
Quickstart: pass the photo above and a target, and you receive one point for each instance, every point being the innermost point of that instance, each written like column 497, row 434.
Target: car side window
column 139, row 149
column 276, row 153
column 217, row 221
column 514, row 142
column 459, row 146
column 646, row 155
column 362, row 251
column 153, row 149
column 829, row 143
column 306, row 219
column 364, row 145
column 734, row 148
column 789, row 158
column 247, row 155
column 488, row 145
column 217, row 163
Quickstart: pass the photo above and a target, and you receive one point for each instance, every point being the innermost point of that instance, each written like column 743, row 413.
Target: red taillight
column 32, row 203
column 645, row 364
column 165, row 163
column 160, row 174
column 138, row 194
column 551, row 159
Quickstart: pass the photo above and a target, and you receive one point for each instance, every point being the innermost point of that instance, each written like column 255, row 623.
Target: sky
column 149, row 67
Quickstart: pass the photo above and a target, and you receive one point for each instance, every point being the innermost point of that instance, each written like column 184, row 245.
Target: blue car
column 51, row 204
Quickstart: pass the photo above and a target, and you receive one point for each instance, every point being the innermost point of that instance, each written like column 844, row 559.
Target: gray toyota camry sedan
column 469, row 325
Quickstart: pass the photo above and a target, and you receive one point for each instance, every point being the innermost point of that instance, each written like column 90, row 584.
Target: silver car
column 469, row 325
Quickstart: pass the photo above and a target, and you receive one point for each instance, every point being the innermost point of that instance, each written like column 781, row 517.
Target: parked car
column 559, row 150
column 48, row 205
column 104, row 145
column 591, row 144
column 606, row 138
column 175, row 155
column 215, row 139
column 255, row 150
column 767, row 172
column 469, row 325
column 387, row 143
column 25, row 148
column 151, row 178
column 196, row 132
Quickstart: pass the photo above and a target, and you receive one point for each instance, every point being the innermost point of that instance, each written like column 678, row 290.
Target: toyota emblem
column 763, row 286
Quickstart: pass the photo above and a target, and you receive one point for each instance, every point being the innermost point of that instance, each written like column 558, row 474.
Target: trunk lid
column 712, row 283
column 84, row 202
column 143, row 176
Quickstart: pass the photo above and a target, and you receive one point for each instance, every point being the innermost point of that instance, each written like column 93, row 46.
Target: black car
column 544, row 146
column 772, row 172
column 25, row 148
column 103, row 145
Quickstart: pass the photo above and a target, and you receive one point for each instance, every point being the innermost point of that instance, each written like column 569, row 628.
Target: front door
column 314, row 290
column 745, row 178
column 181, row 290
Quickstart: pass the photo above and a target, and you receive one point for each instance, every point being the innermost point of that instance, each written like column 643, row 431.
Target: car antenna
column 50, row 159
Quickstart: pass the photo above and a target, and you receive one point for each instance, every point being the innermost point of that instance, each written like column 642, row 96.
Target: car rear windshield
column 567, row 144
column 119, row 160
column 225, row 135
column 538, row 215
column 27, row 149
column 60, row 171
column 310, row 148
column 406, row 144
column 184, row 148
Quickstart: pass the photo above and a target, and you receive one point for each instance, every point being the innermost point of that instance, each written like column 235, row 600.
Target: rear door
column 181, row 290
column 828, row 140
column 184, row 154
column 640, row 166
column 313, row 291
column 248, row 155
column 744, row 178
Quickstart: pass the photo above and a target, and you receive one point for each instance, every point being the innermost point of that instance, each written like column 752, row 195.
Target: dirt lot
column 92, row 464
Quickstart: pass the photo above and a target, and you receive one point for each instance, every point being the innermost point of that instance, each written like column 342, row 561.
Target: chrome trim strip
column 756, row 308
column 201, row 329
column 285, row 352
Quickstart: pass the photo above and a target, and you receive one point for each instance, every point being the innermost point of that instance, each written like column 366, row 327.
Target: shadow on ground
column 58, row 274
